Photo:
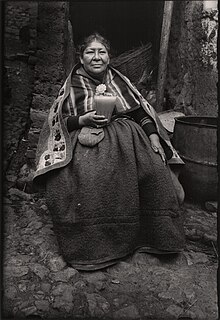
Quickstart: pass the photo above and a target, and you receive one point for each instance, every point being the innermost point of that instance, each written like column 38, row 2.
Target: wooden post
column 164, row 40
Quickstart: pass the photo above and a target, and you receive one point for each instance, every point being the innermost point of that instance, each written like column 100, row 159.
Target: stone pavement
column 38, row 284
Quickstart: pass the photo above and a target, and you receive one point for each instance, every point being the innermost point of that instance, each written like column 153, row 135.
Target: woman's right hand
column 91, row 119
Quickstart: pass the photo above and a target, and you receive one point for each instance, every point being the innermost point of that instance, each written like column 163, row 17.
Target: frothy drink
column 104, row 105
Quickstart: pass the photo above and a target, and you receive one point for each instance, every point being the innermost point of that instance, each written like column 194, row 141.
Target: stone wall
column 49, row 69
column 20, row 20
column 38, row 55
column 192, row 59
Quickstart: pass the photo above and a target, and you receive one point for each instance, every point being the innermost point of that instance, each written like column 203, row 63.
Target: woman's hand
column 156, row 146
column 91, row 119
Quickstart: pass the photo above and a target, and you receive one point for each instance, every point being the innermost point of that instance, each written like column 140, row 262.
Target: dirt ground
column 37, row 283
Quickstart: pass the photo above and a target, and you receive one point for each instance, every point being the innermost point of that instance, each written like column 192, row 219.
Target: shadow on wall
column 127, row 24
column 24, row 35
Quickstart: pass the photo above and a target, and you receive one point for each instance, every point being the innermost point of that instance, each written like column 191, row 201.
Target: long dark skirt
column 113, row 198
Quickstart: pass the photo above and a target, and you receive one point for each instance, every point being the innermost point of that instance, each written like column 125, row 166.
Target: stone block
column 98, row 305
column 18, row 194
column 33, row 33
column 64, row 275
column 42, row 102
column 11, row 292
column 33, row 137
column 29, row 311
column 25, row 179
column 42, row 305
column 15, row 271
column 95, row 276
column 40, row 270
column 45, row 287
column 50, row 71
column 38, row 118
column 174, row 310
column 62, row 288
column 49, row 90
column 30, row 154
column 57, row 264
column 32, row 60
column 22, row 57
column 129, row 312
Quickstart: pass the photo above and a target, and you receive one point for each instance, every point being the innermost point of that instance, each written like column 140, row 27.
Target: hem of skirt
column 92, row 267
column 97, row 265
column 153, row 250
column 105, row 264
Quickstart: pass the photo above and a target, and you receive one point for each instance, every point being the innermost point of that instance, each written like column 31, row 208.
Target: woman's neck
column 100, row 77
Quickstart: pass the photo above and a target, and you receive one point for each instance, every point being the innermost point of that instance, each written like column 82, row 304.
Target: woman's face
column 95, row 58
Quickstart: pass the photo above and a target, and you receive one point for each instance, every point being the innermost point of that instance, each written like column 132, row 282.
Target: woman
column 108, row 185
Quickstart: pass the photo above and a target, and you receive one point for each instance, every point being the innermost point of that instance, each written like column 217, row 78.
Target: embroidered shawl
column 54, row 147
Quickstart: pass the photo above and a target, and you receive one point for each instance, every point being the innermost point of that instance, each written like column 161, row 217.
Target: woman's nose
column 96, row 55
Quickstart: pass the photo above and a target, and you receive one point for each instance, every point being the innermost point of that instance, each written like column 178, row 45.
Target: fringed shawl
column 54, row 146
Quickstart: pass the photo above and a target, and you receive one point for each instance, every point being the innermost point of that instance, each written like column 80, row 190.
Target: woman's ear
column 81, row 60
column 109, row 58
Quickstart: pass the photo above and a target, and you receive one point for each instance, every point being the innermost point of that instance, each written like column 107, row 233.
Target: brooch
column 100, row 89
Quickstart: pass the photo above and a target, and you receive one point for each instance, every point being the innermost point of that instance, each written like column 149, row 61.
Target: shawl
column 55, row 147
column 83, row 88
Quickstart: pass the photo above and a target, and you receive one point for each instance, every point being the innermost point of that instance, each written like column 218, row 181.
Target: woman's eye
column 90, row 52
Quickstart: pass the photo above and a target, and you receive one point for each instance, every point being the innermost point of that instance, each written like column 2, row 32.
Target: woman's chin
column 96, row 72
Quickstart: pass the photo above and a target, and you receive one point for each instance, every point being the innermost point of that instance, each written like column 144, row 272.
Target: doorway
column 127, row 24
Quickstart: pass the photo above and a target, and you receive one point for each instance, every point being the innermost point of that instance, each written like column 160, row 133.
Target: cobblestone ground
column 37, row 283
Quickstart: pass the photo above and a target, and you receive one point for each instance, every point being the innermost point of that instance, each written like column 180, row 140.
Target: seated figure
column 106, row 162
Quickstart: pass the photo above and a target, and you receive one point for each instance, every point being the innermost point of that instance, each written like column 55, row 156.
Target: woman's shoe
column 157, row 251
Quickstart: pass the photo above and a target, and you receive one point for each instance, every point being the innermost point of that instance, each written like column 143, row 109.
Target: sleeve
column 141, row 117
column 72, row 123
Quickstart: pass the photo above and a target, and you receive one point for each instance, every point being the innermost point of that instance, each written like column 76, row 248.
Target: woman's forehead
column 95, row 45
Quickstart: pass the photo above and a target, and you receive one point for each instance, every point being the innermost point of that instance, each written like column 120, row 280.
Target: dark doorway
column 127, row 24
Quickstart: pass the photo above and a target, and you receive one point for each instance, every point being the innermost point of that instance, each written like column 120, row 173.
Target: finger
column 90, row 113
column 163, row 156
column 104, row 121
column 155, row 149
column 98, row 117
column 164, row 160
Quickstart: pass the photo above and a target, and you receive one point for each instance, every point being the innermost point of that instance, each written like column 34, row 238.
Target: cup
column 104, row 105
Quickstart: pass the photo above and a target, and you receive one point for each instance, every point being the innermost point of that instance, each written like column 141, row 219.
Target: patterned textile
column 54, row 147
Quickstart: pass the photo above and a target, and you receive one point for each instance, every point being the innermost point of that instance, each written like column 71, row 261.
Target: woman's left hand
column 156, row 146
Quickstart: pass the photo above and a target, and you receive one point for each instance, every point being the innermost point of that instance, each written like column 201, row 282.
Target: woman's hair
column 93, row 37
